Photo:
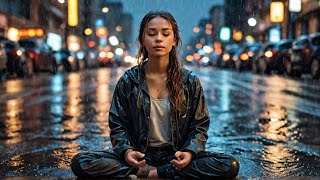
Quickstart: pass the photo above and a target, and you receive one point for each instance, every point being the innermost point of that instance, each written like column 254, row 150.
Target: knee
column 76, row 167
column 234, row 168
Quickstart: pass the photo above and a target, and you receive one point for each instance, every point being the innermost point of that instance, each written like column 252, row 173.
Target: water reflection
column 56, row 108
column 224, row 102
column 103, row 99
column 278, row 129
column 278, row 160
column 14, row 109
column 74, row 95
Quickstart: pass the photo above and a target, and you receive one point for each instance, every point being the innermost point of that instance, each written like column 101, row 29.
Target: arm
column 199, row 121
column 119, row 120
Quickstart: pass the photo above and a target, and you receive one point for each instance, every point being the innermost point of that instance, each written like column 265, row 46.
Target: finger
column 177, row 154
column 139, row 154
column 141, row 163
column 177, row 164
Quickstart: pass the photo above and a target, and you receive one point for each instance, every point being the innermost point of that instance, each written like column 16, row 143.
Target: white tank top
column 160, row 128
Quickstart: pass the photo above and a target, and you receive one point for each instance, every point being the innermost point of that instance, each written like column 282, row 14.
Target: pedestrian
column 158, row 116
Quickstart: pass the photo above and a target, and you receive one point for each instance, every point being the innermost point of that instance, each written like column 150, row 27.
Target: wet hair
column 175, row 64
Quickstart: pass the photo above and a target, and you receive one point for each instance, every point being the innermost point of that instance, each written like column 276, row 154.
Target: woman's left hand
column 183, row 159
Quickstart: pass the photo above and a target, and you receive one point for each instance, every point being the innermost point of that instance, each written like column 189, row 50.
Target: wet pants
column 108, row 164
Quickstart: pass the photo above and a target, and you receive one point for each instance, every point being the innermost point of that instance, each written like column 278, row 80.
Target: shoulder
column 131, row 75
column 189, row 76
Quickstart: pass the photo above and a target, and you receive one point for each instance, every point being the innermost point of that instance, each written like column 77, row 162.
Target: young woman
column 158, row 116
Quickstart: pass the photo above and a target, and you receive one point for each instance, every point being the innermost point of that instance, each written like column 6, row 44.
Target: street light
column 252, row 22
column 105, row 9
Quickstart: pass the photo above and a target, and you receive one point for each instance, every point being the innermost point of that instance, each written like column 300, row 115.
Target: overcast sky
column 186, row 12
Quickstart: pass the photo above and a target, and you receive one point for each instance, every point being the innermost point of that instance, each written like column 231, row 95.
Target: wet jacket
column 129, row 120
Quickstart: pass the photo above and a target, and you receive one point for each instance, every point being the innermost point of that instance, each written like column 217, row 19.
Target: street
column 269, row 122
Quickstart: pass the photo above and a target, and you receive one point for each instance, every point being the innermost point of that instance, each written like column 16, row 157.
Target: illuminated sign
column 295, row 5
column 225, row 34
column 32, row 32
column 54, row 41
column 276, row 12
column 72, row 12
column 274, row 35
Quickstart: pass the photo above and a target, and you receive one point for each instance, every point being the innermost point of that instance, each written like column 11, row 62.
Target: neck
column 157, row 65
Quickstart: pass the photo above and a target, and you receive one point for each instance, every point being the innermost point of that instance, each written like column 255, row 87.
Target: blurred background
column 258, row 62
column 69, row 35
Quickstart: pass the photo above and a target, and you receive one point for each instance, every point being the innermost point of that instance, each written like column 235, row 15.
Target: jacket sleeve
column 119, row 119
column 199, row 121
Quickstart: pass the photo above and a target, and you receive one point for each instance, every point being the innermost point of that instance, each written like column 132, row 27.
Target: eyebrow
column 163, row 29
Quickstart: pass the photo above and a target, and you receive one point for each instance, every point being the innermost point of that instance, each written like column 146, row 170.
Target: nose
column 159, row 38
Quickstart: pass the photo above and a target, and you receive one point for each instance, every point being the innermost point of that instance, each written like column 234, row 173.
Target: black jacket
column 129, row 121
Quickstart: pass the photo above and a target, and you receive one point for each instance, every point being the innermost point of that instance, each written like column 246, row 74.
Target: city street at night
column 270, row 123
column 250, row 109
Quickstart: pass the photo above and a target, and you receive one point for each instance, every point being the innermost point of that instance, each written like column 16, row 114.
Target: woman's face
column 158, row 37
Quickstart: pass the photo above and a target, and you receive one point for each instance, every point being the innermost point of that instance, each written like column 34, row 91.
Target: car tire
column 262, row 65
column 314, row 68
column 254, row 68
column 29, row 67
column 288, row 67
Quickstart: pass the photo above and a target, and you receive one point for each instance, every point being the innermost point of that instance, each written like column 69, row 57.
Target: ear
column 174, row 43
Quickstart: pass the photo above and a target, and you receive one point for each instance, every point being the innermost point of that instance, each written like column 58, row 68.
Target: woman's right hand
column 132, row 158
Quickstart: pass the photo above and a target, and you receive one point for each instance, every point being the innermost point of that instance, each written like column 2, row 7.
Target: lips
column 158, row 47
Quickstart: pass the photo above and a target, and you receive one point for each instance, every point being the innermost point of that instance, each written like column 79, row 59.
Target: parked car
column 3, row 59
column 40, row 53
column 305, row 56
column 226, row 59
column 265, row 57
column 274, row 55
column 17, row 61
column 91, row 57
column 66, row 60
column 246, row 55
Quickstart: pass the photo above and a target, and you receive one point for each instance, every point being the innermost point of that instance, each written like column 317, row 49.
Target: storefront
column 3, row 24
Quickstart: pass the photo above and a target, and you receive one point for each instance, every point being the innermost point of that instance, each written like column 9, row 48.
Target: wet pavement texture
column 270, row 123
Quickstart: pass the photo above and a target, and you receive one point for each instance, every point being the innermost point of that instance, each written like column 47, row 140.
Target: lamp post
column 294, row 7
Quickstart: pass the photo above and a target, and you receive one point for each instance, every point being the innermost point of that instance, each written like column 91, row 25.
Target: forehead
column 159, row 23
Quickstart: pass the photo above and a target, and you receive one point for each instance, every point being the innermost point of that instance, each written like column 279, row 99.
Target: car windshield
column 27, row 44
column 316, row 41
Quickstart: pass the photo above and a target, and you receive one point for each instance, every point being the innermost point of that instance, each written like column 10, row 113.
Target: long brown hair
column 175, row 64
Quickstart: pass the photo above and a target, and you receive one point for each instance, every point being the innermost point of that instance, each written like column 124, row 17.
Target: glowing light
column 113, row 40
column 88, row 31
column 207, row 49
column 72, row 12
column 225, row 34
column 119, row 51
column 237, row 35
column 208, row 31
column 196, row 30
column 225, row 57
column 102, row 32
column 105, row 9
column 189, row 58
column 252, row 22
column 268, row 54
column 119, row 28
column 199, row 45
column 244, row 57
column 276, row 12
column 13, row 34
column 196, row 56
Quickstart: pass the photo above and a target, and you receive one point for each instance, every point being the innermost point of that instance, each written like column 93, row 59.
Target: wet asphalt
column 269, row 122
